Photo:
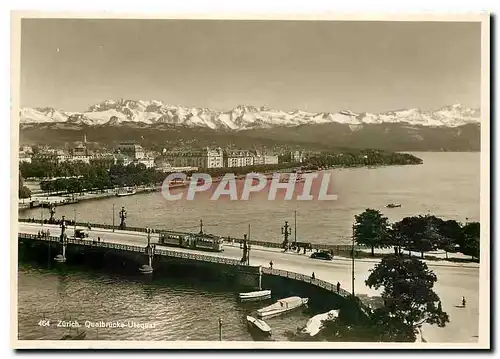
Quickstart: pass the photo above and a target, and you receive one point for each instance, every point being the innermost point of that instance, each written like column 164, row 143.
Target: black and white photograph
column 250, row 182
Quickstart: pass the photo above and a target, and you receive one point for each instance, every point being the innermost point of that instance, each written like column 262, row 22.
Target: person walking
column 338, row 287
column 463, row 301
column 271, row 264
column 313, row 276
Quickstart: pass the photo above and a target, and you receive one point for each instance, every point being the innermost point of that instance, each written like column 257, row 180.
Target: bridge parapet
column 319, row 246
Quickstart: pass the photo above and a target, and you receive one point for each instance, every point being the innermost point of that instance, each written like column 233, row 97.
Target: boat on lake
column 257, row 295
column 317, row 323
column 282, row 306
column 128, row 192
column 259, row 325
column 393, row 205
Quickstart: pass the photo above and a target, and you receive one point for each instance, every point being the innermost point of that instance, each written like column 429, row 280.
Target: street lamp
column 123, row 215
column 148, row 231
column 286, row 231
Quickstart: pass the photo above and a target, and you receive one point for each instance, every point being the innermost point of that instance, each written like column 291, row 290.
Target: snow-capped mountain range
column 150, row 113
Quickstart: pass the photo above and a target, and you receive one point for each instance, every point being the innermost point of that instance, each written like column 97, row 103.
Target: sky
column 318, row 66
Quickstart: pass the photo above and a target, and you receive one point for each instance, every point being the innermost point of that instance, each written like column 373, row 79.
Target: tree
column 470, row 242
column 451, row 236
column 419, row 234
column 409, row 300
column 371, row 229
column 23, row 191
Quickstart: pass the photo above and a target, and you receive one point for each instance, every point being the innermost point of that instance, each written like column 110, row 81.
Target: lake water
column 446, row 185
column 178, row 310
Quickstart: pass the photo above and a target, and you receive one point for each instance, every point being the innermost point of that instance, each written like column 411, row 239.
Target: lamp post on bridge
column 113, row 217
column 123, row 215
column 148, row 231
column 61, row 258
column 286, row 231
column 63, row 227
column 52, row 213
column 245, row 259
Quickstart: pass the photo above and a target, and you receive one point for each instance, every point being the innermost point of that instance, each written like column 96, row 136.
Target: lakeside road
column 454, row 279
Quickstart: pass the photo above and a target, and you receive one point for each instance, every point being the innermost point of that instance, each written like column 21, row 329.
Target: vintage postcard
column 250, row 182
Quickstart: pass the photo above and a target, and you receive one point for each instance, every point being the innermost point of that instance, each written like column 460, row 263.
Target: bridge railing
column 266, row 244
column 126, row 247
column 308, row 279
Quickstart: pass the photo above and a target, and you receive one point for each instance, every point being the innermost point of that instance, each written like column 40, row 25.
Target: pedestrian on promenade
column 338, row 287
column 98, row 239
column 271, row 264
column 313, row 276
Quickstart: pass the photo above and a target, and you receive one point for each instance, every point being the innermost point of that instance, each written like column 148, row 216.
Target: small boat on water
column 316, row 323
column 282, row 306
column 259, row 324
column 128, row 192
column 393, row 205
column 257, row 295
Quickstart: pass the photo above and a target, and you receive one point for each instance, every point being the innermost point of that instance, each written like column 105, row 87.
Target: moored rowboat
column 257, row 295
column 316, row 323
column 261, row 325
column 282, row 306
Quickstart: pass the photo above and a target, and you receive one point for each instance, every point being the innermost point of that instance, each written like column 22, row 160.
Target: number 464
column 44, row 323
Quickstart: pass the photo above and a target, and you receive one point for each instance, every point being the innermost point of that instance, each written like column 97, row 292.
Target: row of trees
column 45, row 168
column 97, row 177
column 361, row 158
column 418, row 234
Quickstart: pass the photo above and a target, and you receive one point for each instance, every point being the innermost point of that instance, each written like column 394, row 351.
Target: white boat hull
column 316, row 323
column 258, row 324
column 282, row 306
column 258, row 295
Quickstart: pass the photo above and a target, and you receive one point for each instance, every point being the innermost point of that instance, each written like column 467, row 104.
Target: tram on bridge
column 204, row 242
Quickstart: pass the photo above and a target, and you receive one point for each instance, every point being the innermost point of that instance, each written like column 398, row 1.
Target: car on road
column 80, row 233
column 322, row 255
